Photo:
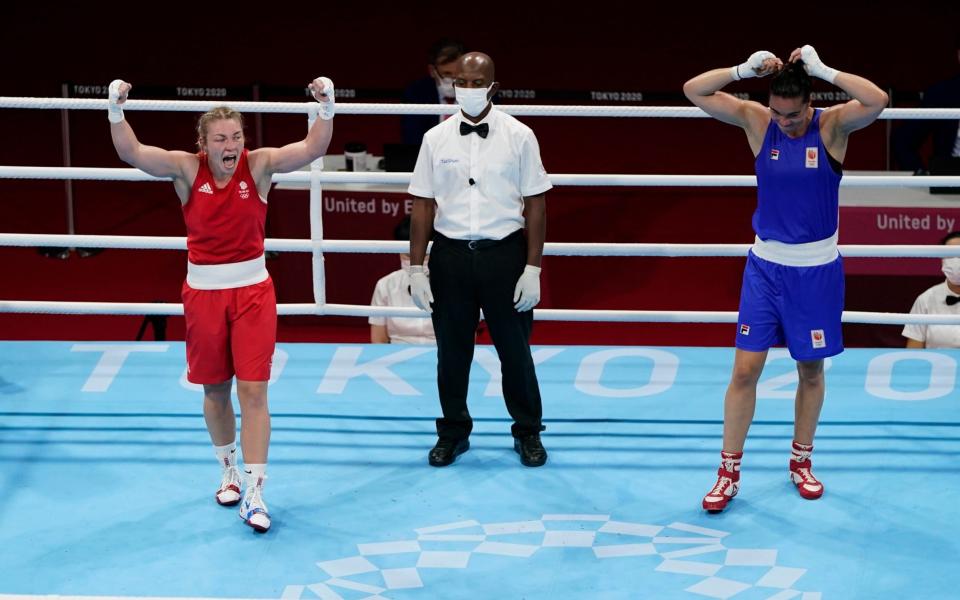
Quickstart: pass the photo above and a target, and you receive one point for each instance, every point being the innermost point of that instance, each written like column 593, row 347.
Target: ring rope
column 546, row 314
column 318, row 245
column 592, row 180
column 362, row 108
column 138, row 242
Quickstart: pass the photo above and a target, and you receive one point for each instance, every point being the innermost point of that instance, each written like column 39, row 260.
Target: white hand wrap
column 527, row 293
column 814, row 66
column 749, row 68
column 114, row 112
column 420, row 288
column 323, row 93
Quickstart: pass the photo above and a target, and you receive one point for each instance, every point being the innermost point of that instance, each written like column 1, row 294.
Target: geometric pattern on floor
column 676, row 544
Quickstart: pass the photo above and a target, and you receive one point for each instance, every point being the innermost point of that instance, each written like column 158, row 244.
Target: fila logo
column 744, row 330
column 206, row 189
column 774, row 154
column 817, row 338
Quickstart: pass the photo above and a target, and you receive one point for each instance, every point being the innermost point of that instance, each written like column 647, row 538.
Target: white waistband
column 811, row 254
column 226, row 276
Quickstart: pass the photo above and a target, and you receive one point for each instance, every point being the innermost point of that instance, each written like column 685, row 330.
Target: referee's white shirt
column 934, row 302
column 505, row 167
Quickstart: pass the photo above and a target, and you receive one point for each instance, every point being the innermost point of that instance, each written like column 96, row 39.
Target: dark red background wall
column 611, row 47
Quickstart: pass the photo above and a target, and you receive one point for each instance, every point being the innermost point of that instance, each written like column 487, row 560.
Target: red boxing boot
column 801, row 473
column 728, row 482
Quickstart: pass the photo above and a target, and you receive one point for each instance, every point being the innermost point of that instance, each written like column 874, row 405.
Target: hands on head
column 763, row 63
column 812, row 63
column 760, row 64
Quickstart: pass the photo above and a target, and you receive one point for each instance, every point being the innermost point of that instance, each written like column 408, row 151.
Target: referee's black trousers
column 465, row 277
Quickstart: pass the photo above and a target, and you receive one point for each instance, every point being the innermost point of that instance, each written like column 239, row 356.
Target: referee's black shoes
column 531, row 451
column 447, row 450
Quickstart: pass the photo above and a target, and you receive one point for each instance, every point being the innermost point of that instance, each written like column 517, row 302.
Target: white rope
column 592, row 180
column 89, row 308
column 156, row 105
column 113, row 308
column 357, row 310
column 83, row 173
column 866, row 181
column 393, row 247
column 361, row 108
column 139, row 242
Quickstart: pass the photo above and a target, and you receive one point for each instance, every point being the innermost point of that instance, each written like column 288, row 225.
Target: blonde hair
column 215, row 114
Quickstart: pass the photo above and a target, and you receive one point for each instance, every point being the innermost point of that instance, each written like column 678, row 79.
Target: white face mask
column 472, row 100
column 445, row 88
column 951, row 269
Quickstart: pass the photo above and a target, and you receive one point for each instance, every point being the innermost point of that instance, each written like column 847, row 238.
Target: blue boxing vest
column 797, row 187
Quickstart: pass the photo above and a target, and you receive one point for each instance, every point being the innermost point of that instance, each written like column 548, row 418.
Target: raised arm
column 264, row 162
column 704, row 91
column 868, row 99
column 150, row 159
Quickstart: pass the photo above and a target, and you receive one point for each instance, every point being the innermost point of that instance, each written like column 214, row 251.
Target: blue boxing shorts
column 797, row 306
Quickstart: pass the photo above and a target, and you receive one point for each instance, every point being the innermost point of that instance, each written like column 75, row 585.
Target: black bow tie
column 951, row 300
column 482, row 129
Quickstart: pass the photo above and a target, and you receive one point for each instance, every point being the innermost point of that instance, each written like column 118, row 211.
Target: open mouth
column 229, row 160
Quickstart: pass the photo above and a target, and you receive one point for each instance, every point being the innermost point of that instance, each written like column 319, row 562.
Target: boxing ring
column 108, row 472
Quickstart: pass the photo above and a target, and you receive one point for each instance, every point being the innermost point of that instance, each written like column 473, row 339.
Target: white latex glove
column 322, row 90
column 116, row 95
column 420, row 288
column 759, row 64
column 812, row 63
column 527, row 293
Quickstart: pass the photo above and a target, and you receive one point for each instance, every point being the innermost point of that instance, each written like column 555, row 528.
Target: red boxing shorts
column 230, row 332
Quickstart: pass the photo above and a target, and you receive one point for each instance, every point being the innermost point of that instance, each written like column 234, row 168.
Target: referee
column 477, row 182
